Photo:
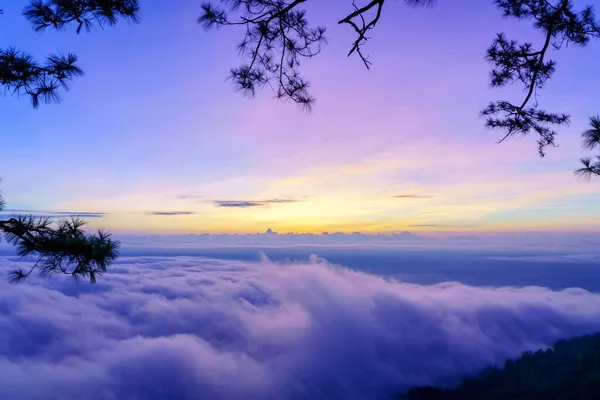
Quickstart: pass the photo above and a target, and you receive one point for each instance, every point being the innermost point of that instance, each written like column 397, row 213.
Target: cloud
column 423, row 225
column 54, row 214
column 412, row 196
column 179, row 327
column 444, row 225
column 548, row 244
column 238, row 204
column 184, row 197
column 252, row 203
column 170, row 213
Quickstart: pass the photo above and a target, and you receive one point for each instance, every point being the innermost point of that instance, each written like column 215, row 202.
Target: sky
column 155, row 139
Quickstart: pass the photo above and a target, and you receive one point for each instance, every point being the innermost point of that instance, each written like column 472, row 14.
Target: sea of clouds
column 202, row 328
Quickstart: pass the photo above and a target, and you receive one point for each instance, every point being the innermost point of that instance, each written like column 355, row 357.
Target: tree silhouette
column 58, row 246
column 278, row 35
column 591, row 140
column 20, row 73
column 512, row 62
column 567, row 370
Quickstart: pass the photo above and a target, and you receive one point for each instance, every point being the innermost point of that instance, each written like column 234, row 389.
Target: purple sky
column 153, row 126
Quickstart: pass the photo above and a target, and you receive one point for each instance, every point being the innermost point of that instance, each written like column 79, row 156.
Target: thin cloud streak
column 184, row 197
column 413, row 196
column 422, row 225
column 252, row 203
column 54, row 214
column 444, row 225
column 171, row 213
column 238, row 204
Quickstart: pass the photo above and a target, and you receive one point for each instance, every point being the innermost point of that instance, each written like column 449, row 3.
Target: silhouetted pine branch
column 591, row 137
column 20, row 73
column 60, row 246
column 523, row 63
column 591, row 140
column 58, row 14
column 271, row 24
column 277, row 37
column 362, row 25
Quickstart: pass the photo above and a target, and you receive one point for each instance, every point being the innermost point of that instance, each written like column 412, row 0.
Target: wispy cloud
column 252, row 203
column 171, row 213
column 412, row 196
column 422, row 225
column 280, row 201
column 53, row 214
column 238, row 204
column 193, row 196
column 442, row 225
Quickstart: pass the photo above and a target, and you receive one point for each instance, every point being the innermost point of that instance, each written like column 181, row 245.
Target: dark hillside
column 568, row 371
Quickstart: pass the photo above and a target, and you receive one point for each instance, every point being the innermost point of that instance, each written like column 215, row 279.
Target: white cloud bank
column 197, row 328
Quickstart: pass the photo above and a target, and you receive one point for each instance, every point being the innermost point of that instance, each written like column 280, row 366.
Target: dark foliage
column 568, row 371
column 522, row 63
column 591, row 140
column 20, row 73
column 362, row 25
column 60, row 246
column 277, row 36
column 58, row 14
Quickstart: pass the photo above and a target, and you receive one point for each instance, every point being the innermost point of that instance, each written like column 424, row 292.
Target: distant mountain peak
column 406, row 234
